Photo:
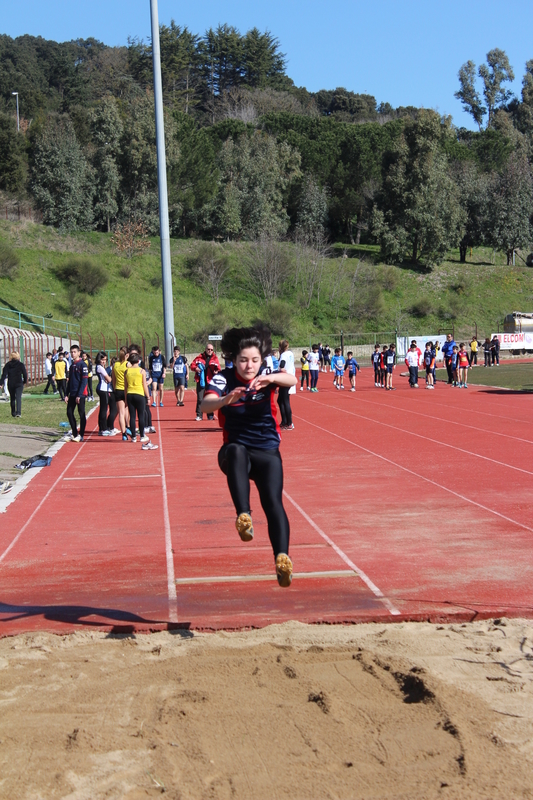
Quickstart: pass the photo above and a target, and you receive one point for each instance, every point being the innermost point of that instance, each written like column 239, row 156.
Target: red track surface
column 411, row 505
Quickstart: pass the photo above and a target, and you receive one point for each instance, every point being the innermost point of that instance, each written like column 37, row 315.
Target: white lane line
column 421, row 436
column 30, row 474
column 421, row 477
column 113, row 477
column 364, row 577
column 43, row 501
column 446, row 421
column 336, row 573
column 171, row 578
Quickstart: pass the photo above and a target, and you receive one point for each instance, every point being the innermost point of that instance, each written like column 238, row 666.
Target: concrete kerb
column 26, row 477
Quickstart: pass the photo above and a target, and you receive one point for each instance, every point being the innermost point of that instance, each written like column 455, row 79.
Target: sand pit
column 368, row 711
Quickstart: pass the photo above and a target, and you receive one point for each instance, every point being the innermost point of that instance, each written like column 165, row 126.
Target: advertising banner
column 514, row 341
column 403, row 343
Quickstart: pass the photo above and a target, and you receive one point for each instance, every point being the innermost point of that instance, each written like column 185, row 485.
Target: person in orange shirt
column 462, row 366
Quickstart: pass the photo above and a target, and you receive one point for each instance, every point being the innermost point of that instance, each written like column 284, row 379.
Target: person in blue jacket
column 447, row 349
column 338, row 365
column 353, row 367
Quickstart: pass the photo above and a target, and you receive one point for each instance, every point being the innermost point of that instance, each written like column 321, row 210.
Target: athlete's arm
column 279, row 378
column 212, row 403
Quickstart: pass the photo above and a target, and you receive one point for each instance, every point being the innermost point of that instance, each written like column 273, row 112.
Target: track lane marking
column 362, row 575
column 418, row 475
column 171, row 577
column 446, row 421
column 334, row 573
column 421, row 436
column 112, row 477
column 45, row 498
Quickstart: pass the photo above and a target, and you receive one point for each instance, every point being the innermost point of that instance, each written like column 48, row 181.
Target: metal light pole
column 18, row 120
column 168, row 304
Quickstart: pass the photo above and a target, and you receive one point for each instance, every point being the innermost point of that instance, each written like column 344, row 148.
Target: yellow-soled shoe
column 284, row 570
column 245, row 527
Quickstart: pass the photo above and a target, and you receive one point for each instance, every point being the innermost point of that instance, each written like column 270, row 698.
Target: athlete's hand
column 260, row 382
column 235, row 395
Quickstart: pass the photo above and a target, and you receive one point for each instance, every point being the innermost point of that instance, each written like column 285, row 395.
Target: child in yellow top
column 305, row 370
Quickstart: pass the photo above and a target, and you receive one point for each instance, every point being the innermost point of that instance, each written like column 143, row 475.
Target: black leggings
column 284, row 403
column 314, row 378
column 305, row 377
column 72, row 404
column 62, row 387
column 241, row 464
column 113, row 410
column 136, row 405
column 15, row 399
column 102, row 411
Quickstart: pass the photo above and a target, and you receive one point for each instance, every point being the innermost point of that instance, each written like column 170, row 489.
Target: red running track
column 403, row 505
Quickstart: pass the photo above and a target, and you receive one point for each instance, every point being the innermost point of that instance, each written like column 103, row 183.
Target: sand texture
column 292, row 711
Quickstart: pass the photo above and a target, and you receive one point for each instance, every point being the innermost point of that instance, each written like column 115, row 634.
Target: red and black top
column 251, row 421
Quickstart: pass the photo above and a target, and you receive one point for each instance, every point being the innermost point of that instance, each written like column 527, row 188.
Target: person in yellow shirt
column 305, row 370
column 137, row 395
column 61, row 374
column 474, row 346
column 117, row 377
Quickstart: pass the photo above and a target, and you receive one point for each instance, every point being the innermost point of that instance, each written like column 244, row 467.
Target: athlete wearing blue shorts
column 157, row 367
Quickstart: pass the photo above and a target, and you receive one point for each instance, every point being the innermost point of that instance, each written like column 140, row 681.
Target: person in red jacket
column 204, row 366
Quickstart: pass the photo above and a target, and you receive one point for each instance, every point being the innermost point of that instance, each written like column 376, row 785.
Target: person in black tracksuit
column 77, row 392
column 15, row 373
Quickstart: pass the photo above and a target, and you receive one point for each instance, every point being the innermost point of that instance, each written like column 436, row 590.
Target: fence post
column 342, row 342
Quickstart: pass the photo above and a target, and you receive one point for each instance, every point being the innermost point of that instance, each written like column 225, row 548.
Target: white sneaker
column 144, row 439
column 301, row 388
column 77, row 438
column 134, row 439
column 198, row 419
column 352, row 390
column 149, row 446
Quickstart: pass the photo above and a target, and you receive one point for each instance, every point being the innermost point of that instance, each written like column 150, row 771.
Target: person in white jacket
column 412, row 359
column 286, row 363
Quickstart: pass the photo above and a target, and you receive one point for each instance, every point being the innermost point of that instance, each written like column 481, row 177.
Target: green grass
column 45, row 412
column 507, row 376
column 410, row 300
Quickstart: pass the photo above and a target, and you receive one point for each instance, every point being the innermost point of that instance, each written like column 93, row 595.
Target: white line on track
column 418, row 475
column 364, row 577
column 171, row 577
column 43, row 501
column 421, row 436
column 113, row 477
column 445, row 421
column 335, row 573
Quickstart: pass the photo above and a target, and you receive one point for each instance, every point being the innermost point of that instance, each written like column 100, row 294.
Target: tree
column 130, row 238
column 475, row 189
column 312, row 209
column 468, row 94
column 269, row 266
column 209, row 267
column 255, row 175
column 138, row 165
column 493, row 74
column 13, row 163
column 312, row 251
column 61, row 178
column 510, row 206
column 418, row 212
column 106, row 129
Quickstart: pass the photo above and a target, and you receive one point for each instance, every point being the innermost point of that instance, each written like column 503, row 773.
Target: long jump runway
column 403, row 506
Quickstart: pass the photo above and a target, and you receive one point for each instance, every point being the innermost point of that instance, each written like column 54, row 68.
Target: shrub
column 422, row 307
column 388, row 278
column 209, row 268
column 278, row 316
column 125, row 271
column 83, row 275
column 130, row 239
column 78, row 304
column 9, row 261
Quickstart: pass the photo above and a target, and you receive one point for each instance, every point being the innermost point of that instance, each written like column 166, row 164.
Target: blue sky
column 406, row 52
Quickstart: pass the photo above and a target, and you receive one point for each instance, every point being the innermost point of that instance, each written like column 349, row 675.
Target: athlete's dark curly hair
column 237, row 339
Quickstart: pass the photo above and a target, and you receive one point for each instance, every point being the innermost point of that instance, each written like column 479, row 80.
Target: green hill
column 354, row 293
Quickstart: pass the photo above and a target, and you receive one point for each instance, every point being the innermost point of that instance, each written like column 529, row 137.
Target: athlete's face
column 248, row 363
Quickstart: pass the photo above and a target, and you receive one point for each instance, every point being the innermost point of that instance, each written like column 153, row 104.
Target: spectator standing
column 104, row 390
column 61, row 373
column 49, row 369
column 205, row 366
column 495, row 351
column 305, row 371
column 487, row 352
column 474, row 346
column 157, row 367
column 286, row 364
column 412, row 360
column 15, row 374
column 180, row 372
column 447, row 349
column 77, row 393
column 389, row 360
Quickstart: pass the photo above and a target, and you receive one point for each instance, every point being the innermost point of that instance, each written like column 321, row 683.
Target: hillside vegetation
column 353, row 292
